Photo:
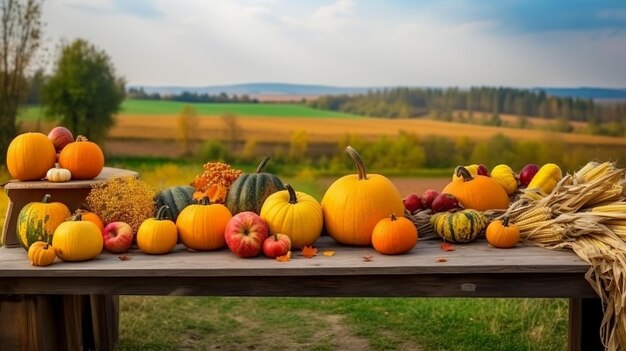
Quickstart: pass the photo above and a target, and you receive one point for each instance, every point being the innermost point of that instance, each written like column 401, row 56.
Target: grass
column 325, row 324
column 152, row 108
column 202, row 323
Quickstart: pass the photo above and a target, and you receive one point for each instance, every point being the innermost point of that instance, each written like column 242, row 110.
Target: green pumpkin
column 37, row 221
column 176, row 198
column 249, row 191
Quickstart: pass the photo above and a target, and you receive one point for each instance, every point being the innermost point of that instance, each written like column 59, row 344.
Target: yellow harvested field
column 274, row 129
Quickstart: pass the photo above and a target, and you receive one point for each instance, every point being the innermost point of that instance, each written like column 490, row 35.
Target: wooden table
column 54, row 321
column 473, row 270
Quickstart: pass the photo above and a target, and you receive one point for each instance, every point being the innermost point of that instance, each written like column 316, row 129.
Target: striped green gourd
column 37, row 221
column 176, row 198
column 249, row 191
column 459, row 227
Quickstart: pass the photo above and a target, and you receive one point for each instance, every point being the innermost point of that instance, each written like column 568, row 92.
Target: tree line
column 191, row 97
column 405, row 102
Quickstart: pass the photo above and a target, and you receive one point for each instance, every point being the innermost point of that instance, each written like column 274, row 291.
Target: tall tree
column 20, row 36
column 84, row 91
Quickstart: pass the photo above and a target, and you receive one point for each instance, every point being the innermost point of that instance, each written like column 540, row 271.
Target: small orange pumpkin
column 502, row 234
column 83, row 158
column 201, row 226
column 30, row 156
column 394, row 235
column 40, row 253
column 477, row 192
column 158, row 235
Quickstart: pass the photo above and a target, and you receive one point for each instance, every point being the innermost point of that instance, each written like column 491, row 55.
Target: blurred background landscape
column 417, row 87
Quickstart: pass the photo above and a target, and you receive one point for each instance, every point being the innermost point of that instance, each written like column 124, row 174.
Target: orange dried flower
column 215, row 181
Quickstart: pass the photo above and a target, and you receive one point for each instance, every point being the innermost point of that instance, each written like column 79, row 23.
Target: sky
column 352, row 43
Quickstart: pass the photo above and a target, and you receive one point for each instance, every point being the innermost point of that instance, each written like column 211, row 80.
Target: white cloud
column 197, row 42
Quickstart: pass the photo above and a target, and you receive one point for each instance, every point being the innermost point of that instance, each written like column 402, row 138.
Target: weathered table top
column 106, row 174
column 474, row 269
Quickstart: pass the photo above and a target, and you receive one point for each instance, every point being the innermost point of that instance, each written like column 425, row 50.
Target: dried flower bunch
column 215, row 181
column 125, row 199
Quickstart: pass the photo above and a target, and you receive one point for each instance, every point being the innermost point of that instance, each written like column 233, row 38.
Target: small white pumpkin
column 58, row 174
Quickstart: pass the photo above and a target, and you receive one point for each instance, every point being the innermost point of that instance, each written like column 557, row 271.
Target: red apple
column 245, row 233
column 413, row 202
column 117, row 236
column 444, row 202
column 60, row 136
column 428, row 197
column 527, row 173
column 482, row 170
column 276, row 245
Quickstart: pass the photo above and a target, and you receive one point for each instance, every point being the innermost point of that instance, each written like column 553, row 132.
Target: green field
column 169, row 108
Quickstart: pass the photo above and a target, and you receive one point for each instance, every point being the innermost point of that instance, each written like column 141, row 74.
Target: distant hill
column 286, row 89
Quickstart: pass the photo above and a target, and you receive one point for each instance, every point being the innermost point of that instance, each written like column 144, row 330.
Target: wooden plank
column 476, row 257
column 106, row 174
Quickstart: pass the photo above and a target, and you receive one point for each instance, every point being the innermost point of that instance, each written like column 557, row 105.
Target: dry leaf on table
column 308, row 251
column 447, row 246
column 328, row 253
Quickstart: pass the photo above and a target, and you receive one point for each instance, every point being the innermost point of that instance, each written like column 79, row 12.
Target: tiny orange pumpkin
column 502, row 234
column 394, row 235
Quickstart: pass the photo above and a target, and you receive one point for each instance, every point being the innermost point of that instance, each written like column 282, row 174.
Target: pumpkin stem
column 77, row 217
column 358, row 162
column 259, row 169
column 204, row 201
column 81, row 138
column 161, row 213
column 46, row 199
column 293, row 198
column 393, row 217
column 464, row 173
column 505, row 221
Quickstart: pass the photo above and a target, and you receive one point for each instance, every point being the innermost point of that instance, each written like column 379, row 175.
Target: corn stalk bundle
column 586, row 212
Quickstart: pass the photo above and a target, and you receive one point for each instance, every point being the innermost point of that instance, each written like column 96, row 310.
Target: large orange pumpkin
column 477, row 192
column 354, row 203
column 83, row 158
column 201, row 226
column 30, row 156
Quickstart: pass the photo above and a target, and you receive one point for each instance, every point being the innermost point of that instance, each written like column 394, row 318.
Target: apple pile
column 247, row 235
column 431, row 200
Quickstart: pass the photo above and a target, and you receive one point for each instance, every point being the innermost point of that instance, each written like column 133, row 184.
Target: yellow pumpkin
column 502, row 234
column 30, row 156
column 296, row 214
column 41, row 254
column 353, row 204
column 504, row 175
column 37, row 221
column 201, row 226
column 393, row 235
column 477, row 192
column 157, row 235
column 77, row 240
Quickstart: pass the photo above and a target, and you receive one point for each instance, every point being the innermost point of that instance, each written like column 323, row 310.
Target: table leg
column 585, row 317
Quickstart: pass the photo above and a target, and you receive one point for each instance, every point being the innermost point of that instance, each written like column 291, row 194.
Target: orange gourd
column 296, row 214
column 201, row 226
column 477, row 192
column 83, row 158
column 30, row 156
column 353, row 204
column 158, row 235
column 502, row 234
column 41, row 253
column 77, row 240
column 394, row 235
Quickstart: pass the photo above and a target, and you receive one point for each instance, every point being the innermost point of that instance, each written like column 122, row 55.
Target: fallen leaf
column 284, row 258
column 308, row 251
column 441, row 259
column 328, row 253
column 368, row 258
column 124, row 258
column 447, row 246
